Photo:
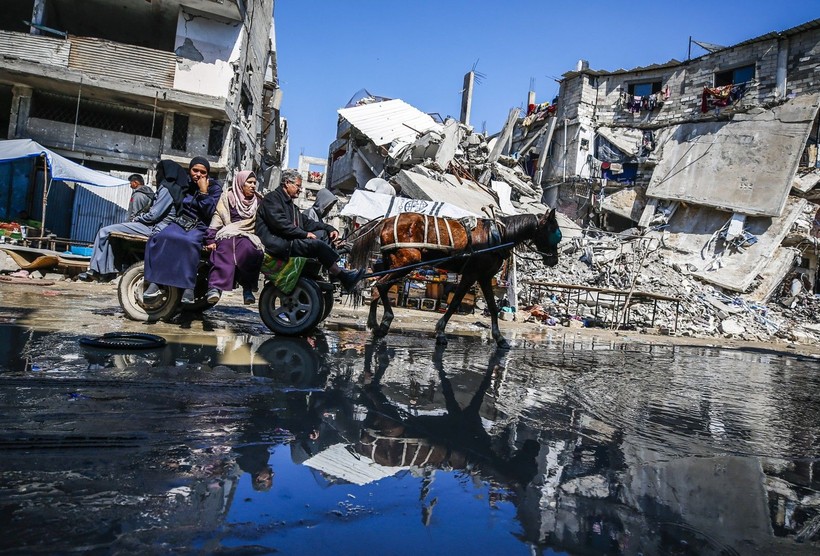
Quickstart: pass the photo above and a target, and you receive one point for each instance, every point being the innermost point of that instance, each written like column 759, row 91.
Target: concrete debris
column 660, row 263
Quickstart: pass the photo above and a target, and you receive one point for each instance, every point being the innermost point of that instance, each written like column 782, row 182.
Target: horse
column 476, row 252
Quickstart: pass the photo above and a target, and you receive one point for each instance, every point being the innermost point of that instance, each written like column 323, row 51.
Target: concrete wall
column 206, row 49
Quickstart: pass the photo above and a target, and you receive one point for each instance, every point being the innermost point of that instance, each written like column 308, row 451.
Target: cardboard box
column 467, row 304
column 434, row 290
column 392, row 294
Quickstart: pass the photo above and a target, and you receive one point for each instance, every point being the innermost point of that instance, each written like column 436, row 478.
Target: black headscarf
column 174, row 178
column 199, row 160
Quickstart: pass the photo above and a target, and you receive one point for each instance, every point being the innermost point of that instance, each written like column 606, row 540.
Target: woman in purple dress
column 172, row 255
column 236, row 252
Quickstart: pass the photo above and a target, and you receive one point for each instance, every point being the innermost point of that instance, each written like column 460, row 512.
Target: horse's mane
column 518, row 226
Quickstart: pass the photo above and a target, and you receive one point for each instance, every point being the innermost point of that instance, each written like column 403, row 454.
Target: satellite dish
column 379, row 185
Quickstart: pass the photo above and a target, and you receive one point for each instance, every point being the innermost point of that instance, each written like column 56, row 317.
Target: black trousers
column 315, row 248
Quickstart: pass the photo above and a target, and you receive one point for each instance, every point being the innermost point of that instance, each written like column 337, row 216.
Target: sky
column 419, row 50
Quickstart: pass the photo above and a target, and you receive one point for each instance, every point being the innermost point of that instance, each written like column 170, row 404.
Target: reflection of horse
column 408, row 239
column 456, row 439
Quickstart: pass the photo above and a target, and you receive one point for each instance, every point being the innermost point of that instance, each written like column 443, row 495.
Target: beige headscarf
column 245, row 207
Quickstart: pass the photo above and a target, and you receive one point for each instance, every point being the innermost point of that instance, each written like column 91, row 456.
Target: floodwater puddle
column 339, row 443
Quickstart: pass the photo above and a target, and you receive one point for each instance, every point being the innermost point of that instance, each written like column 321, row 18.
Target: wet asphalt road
column 231, row 440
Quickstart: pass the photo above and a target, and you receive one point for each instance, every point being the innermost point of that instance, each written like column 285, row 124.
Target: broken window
column 14, row 13
column 644, row 89
column 179, row 136
column 216, row 138
column 96, row 114
column 246, row 102
column 735, row 76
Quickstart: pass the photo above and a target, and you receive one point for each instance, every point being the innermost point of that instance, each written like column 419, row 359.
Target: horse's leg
column 374, row 305
column 492, row 306
column 383, row 287
column 458, row 295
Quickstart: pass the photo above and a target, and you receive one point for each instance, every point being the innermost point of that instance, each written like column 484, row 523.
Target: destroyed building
column 719, row 152
column 118, row 86
column 694, row 180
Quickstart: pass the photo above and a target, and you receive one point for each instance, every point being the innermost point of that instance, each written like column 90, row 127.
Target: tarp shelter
column 56, row 168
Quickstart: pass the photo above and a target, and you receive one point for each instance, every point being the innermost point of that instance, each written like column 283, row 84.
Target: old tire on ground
column 130, row 291
column 124, row 340
column 294, row 313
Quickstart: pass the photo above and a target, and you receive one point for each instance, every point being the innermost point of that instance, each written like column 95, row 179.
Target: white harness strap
column 422, row 244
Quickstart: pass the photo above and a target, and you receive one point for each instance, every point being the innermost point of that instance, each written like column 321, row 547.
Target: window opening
column 644, row 89
column 179, row 136
column 216, row 138
column 735, row 76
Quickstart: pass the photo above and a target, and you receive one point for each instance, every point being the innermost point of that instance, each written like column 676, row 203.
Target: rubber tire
column 328, row 295
column 304, row 305
column 289, row 361
column 124, row 340
column 129, row 292
column 201, row 302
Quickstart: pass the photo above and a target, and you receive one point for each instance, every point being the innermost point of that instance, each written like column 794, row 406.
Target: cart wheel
column 292, row 361
column 130, row 291
column 327, row 295
column 200, row 293
column 293, row 313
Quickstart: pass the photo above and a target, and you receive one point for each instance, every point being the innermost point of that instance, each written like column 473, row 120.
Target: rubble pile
column 697, row 261
column 641, row 264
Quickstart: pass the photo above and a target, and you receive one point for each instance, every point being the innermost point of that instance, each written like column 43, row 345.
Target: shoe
column 88, row 276
column 213, row 296
column 188, row 296
column 151, row 293
column 349, row 278
column 248, row 297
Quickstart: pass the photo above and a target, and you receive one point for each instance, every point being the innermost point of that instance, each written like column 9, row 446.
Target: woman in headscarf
column 236, row 252
column 171, row 182
column 172, row 256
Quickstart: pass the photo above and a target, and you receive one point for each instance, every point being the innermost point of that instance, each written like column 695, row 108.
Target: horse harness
column 494, row 234
column 438, row 245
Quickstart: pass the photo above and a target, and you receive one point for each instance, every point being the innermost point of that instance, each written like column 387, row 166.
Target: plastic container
column 82, row 251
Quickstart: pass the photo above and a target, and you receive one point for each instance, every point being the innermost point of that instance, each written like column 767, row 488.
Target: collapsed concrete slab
column 694, row 240
column 627, row 203
column 745, row 165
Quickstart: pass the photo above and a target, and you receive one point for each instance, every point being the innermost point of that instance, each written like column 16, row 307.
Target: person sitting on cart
column 172, row 256
column 236, row 252
column 171, row 181
column 286, row 233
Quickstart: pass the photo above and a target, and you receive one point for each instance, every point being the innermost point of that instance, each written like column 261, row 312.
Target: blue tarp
column 59, row 167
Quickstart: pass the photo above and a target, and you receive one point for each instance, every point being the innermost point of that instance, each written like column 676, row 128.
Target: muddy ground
column 56, row 304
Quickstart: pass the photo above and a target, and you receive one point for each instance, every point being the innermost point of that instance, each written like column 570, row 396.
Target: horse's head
column 547, row 237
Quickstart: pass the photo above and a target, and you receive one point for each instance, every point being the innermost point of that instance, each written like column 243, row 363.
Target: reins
column 441, row 260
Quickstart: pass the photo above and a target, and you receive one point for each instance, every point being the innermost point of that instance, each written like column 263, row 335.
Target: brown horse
column 410, row 239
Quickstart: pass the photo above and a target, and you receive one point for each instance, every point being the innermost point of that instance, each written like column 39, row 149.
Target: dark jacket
column 325, row 201
column 279, row 221
column 141, row 199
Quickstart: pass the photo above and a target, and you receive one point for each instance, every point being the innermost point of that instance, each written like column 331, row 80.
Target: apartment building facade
column 121, row 84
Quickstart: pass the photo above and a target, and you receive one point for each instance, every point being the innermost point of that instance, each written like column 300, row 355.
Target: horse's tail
column 363, row 242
